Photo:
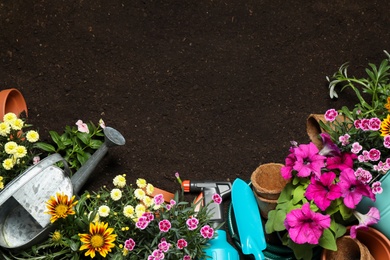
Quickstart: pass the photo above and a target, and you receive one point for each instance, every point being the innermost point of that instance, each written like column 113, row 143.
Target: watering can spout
column 112, row 138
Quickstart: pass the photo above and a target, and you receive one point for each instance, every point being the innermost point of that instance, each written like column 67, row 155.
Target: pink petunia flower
column 82, row 127
column 353, row 189
column 287, row 169
column 306, row 226
column 164, row 225
column 344, row 161
column 372, row 217
column 181, row 243
column 329, row 148
column 308, row 160
column 192, row 223
column 217, row 198
column 129, row 244
column 331, row 114
column 207, row 231
column 324, row 191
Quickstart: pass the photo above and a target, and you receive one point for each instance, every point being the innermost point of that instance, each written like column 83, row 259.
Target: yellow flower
column 17, row 124
column 10, row 147
column 8, row 164
column 148, row 201
column 104, row 211
column 56, row 236
column 9, row 118
column 139, row 194
column 4, row 129
column 21, row 151
column 387, row 105
column 32, row 136
column 128, row 211
column 116, row 194
column 99, row 239
column 1, row 183
column 139, row 210
column 119, row 181
column 385, row 126
column 141, row 183
column 60, row 206
column 149, row 189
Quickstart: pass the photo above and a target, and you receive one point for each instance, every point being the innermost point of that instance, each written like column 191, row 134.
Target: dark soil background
column 209, row 89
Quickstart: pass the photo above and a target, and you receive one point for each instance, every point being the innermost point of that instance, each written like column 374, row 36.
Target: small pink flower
column 217, row 198
column 149, row 216
column 330, row 115
column 365, row 124
column 164, row 246
column 357, row 123
column 386, row 141
column 207, row 231
column 192, row 223
column 186, row 257
column 156, row 255
column 377, row 187
column 158, row 199
column 168, row 207
column 142, row 223
column 374, row 154
column 374, row 124
column 344, row 139
column 36, row 159
column 82, row 127
column 172, row 202
column 356, row 148
column 129, row 244
column 181, row 243
column 363, row 175
column 164, row 225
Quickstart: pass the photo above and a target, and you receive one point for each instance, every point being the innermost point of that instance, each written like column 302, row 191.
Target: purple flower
column 344, row 161
column 329, row 148
column 308, row 160
column 129, row 244
column 324, row 191
column 287, row 169
column 331, row 114
column 306, row 226
column 164, row 225
column 181, row 243
column 217, row 198
column 207, row 231
column 192, row 223
column 353, row 189
column 372, row 217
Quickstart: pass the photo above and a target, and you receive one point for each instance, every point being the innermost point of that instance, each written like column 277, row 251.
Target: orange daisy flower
column 60, row 206
column 387, row 105
column 100, row 239
column 385, row 126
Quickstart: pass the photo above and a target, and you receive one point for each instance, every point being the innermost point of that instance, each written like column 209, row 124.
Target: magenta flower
column 129, row 244
column 181, row 243
column 164, row 245
column 156, row 255
column 217, row 198
column 164, row 225
column 344, row 139
column 82, row 127
column 344, row 161
column 186, row 257
column 329, row 148
column 363, row 175
column 158, row 199
column 374, row 124
column 356, row 147
column 376, row 187
column 192, row 223
column 365, row 124
column 172, row 202
column 324, row 191
column 142, row 223
column 287, row 169
column 306, row 226
column 330, row 115
column 308, row 160
column 149, row 216
column 374, row 154
column 207, row 231
column 386, row 141
column 372, row 217
column 353, row 189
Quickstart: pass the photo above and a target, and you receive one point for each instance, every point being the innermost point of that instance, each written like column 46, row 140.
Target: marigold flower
column 104, row 211
column 1, row 183
column 128, row 211
column 9, row 118
column 141, row 183
column 32, row 136
column 149, row 189
column 20, row 151
column 17, row 124
column 139, row 194
column 148, row 201
column 99, row 239
column 139, row 210
column 10, row 147
column 119, row 181
column 60, row 206
column 8, row 164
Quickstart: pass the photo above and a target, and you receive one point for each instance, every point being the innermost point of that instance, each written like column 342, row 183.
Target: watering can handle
column 29, row 174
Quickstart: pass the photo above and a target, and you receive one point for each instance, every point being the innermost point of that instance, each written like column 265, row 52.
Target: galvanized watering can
column 23, row 222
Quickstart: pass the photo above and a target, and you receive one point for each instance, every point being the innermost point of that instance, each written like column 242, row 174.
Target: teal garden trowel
column 248, row 220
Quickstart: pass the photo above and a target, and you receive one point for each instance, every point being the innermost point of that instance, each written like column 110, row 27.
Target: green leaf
column 57, row 139
column 95, row 144
column 298, row 194
column 83, row 157
column 275, row 221
column 46, row 147
column 328, row 240
column 304, row 251
column 84, row 137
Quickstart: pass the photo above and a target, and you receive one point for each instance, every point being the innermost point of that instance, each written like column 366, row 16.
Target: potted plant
column 329, row 184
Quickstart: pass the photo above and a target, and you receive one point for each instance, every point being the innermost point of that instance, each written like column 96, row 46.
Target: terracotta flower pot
column 377, row 244
column 267, row 181
column 11, row 100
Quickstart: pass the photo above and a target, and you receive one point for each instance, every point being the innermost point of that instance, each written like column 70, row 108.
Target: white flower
column 128, row 211
column 32, row 136
column 116, row 194
column 119, row 181
column 141, row 183
column 139, row 194
column 104, row 211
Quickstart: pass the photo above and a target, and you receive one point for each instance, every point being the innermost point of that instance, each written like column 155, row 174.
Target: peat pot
column 267, row 181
